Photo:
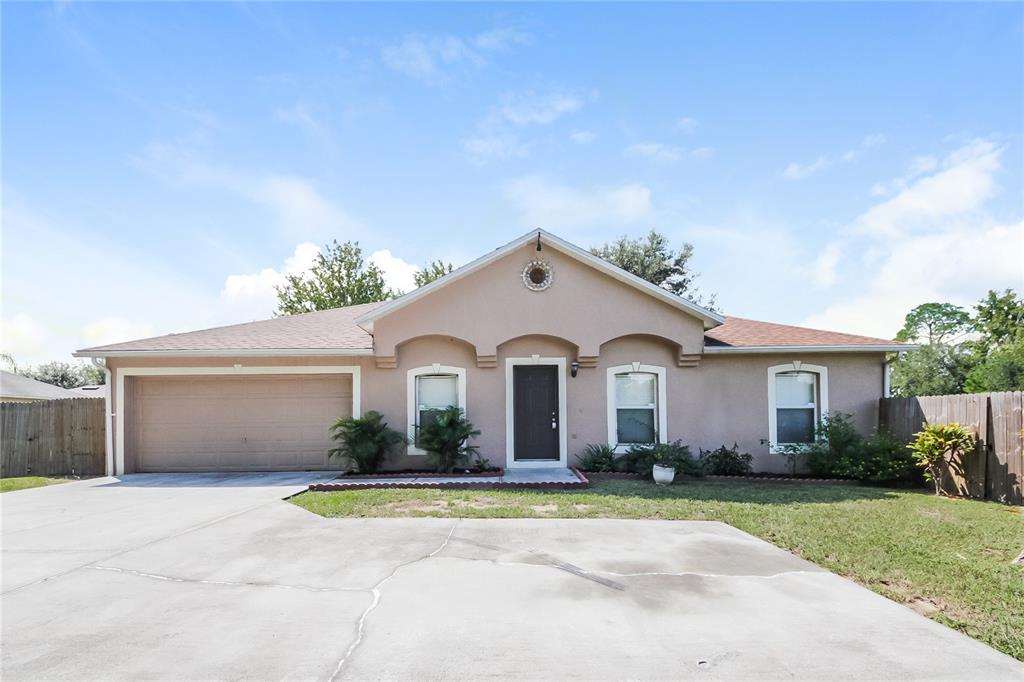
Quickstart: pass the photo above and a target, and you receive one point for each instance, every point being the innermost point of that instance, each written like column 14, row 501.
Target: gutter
column 109, row 416
column 225, row 353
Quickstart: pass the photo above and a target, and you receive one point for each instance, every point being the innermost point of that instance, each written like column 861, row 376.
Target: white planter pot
column 663, row 475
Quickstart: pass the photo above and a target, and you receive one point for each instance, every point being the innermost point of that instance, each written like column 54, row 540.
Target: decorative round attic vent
column 537, row 275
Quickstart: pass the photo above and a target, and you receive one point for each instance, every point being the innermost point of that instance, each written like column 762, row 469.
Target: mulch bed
column 596, row 476
column 421, row 473
column 341, row 484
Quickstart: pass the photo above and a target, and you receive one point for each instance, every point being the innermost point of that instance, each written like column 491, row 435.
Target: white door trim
column 563, row 413
column 123, row 372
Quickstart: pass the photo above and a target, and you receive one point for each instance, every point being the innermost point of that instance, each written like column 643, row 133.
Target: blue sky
column 834, row 165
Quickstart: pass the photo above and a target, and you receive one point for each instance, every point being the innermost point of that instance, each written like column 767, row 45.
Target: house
column 546, row 347
column 15, row 388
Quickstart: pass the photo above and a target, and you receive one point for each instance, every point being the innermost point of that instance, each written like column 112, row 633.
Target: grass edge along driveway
column 9, row 485
column 949, row 559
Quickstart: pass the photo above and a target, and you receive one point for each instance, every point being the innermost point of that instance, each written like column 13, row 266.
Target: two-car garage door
column 235, row 423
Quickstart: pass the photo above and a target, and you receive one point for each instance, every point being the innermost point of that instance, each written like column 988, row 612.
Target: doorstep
column 551, row 479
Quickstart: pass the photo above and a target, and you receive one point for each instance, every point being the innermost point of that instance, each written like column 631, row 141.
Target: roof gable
column 546, row 239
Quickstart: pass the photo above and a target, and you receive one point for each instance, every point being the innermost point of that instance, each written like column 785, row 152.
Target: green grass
column 25, row 482
column 948, row 558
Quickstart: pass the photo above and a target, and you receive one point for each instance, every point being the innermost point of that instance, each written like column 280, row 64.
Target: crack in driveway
column 229, row 583
column 375, row 590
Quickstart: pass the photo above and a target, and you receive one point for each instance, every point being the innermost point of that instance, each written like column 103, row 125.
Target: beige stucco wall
column 583, row 306
column 724, row 399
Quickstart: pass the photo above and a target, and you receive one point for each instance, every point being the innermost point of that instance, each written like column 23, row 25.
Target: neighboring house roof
column 25, row 388
column 738, row 334
column 709, row 317
column 326, row 332
column 96, row 391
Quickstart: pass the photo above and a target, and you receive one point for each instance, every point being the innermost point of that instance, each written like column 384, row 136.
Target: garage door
column 236, row 423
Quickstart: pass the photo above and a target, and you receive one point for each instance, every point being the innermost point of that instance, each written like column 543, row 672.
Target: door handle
column 554, row 424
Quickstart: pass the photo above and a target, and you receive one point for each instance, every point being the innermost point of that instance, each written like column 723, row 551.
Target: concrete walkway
column 215, row 578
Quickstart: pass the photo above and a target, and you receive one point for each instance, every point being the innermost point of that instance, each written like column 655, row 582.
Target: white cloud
column 115, row 329
column 537, row 108
column 21, row 336
column 687, row 124
column 964, row 183
column 931, row 241
column 254, row 295
column 932, row 267
column 497, row 135
column 298, row 206
column 582, row 136
column 798, row 171
column 430, row 58
column 398, row 274
column 655, row 151
column 301, row 117
column 546, row 203
column 823, row 269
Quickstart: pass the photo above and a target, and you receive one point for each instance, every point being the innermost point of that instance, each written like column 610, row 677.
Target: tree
column 435, row 270
column 1001, row 370
column 337, row 279
column 933, row 369
column 933, row 323
column 999, row 319
column 652, row 259
column 62, row 374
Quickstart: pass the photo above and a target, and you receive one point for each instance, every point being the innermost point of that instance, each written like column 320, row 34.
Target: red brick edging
column 339, row 484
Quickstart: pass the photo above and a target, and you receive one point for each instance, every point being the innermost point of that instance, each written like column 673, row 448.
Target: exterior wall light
column 574, row 368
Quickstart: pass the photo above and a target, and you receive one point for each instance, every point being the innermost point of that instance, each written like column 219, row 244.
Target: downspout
column 107, row 390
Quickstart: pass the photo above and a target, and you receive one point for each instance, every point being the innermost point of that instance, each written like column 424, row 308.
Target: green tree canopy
column 65, row 374
column 338, row 278
column 651, row 258
column 934, row 369
column 999, row 319
column 934, row 323
column 434, row 270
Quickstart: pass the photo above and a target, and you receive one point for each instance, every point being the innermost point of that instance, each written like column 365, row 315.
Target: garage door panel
column 237, row 422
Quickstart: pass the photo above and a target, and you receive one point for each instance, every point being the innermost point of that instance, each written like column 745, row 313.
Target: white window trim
column 613, row 430
column 410, row 393
column 795, row 366
column 124, row 372
column 563, row 414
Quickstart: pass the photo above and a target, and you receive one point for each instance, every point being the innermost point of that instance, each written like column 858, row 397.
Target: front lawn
column 25, row 482
column 947, row 558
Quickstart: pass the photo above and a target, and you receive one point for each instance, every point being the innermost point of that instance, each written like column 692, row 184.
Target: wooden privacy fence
column 53, row 438
column 995, row 470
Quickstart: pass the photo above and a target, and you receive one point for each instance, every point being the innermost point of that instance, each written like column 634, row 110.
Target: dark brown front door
column 535, row 403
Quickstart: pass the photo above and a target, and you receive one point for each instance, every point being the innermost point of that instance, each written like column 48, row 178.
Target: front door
column 535, row 411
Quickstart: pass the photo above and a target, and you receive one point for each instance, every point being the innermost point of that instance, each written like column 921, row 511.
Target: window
column 636, row 405
column 430, row 390
column 798, row 398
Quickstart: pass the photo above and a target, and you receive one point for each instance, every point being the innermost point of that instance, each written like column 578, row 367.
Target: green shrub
column 640, row 459
column 723, row 461
column 835, row 449
column 598, row 457
column 446, row 440
column 883, row 458
column 941, row 444
column 366, row 442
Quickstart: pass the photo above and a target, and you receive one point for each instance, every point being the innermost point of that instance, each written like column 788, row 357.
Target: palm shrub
column 446, row 439
column 366, row 442
column 939, row 444
column 598, row 457
column 723, row 461
column 641, row 459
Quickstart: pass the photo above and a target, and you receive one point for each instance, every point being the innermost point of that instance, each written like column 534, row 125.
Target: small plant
column 641, row 459
column 723, row 461
column 883, row 458
column 366, row 442
column 445, row 438
column 939, row 444
column 598, row 457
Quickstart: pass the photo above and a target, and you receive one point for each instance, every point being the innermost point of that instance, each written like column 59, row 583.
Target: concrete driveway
column 214, row 577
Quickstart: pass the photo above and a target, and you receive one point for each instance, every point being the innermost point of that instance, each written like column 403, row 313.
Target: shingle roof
column 738, row 332
column 17, row 386
column 336, row 331
column 332, row 330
